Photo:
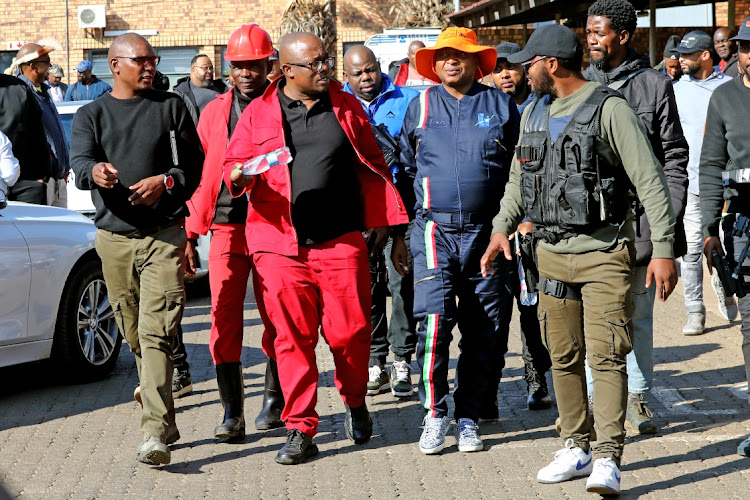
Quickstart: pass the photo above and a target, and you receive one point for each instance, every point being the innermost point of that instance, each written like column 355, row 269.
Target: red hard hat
column 248, row 43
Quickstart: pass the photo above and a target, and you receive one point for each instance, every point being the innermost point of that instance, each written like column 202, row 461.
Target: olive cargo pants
column 599, row 326
column 145, row 282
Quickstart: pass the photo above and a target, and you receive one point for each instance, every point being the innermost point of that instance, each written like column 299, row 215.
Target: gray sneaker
column 467, row 435
column 378, row 380
column 727, row 305
column 182, row 384
column 433, row 436
column 696, row 321
column 153, row 451
column 638, row 417
column 401, row 379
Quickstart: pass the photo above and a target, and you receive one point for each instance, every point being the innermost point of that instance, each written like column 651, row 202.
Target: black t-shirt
column 325, row 189
column 230, row 210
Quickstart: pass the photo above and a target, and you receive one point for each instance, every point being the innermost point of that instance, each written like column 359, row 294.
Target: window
column 6, row 59
column 175, row 63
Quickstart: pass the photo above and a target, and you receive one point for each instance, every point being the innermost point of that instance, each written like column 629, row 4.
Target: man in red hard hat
column 304, row 233
column 212, row 208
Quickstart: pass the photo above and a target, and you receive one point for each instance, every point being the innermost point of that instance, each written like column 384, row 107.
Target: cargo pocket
column 620, row 330
column 541, row 315
column 175, row 301
column 125, row 323
column 429, row 296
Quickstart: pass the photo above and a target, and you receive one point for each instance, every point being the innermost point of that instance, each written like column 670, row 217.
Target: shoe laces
column 433, row 427
column 375, row 372
column 467, row 429
column 295, row 438
column 402, row 370
column 565, row 453
column 607, row 464
column 643, row 409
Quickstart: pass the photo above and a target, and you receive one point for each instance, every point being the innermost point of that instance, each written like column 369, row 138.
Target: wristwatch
column 168, row 181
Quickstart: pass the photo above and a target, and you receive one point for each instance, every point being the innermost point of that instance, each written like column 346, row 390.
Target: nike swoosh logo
column 617, row 476
column 580, row 466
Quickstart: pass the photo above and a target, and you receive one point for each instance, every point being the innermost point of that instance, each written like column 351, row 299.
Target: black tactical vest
column 577, row 183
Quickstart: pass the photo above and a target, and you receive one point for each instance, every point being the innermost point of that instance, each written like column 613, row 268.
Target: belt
column 142, row 233
column 456, row 217
column 559, row 289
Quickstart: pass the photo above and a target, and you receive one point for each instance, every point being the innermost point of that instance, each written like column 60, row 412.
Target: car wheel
column 87, row 341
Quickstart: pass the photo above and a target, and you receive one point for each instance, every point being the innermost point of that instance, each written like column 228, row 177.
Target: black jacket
column 182, row 89
column 21, row 121
column 651, row 95
column 731, row 67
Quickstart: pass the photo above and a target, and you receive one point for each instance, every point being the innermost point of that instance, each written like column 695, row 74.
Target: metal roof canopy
column 509, row 12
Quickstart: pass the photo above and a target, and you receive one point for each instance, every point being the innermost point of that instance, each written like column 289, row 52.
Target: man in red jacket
column 212, row 208
column 303, row 231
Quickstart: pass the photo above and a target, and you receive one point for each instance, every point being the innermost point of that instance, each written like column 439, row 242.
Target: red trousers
column 228, row 272
column 326, row 287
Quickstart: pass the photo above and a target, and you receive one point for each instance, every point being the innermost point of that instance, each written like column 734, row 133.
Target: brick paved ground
column 78, row 441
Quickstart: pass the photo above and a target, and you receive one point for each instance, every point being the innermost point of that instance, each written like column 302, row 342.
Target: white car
column 80, row 200
column 53, row 300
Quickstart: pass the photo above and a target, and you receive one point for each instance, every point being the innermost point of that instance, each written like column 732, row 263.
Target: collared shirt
column 203, row 95
column 325, row 190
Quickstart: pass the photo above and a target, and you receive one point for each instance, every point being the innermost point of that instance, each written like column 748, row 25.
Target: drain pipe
column 456, row 5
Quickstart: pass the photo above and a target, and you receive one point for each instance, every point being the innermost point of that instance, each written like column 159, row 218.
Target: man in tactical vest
column 580, row 149
column 724, row 174
column 609, row 30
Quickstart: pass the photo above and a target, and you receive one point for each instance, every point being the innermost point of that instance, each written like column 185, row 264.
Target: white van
column 392, row 45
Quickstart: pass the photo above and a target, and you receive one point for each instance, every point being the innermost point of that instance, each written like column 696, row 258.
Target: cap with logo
column 84, row 66
column 551, row 40
column 669, row 52
column 743, row 35
column 695, row 41
column 505, row 49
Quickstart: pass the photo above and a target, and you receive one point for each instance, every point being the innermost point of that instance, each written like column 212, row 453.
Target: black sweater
column 134, row 136
column 726, row 145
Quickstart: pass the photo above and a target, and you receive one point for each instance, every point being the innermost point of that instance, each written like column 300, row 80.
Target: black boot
column 273, row 400
column 538, row 393
column 358, row 424
column 232, row 395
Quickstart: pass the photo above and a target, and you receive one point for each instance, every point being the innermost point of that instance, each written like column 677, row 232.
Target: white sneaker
column 378, row 380
column 432, row 441
column 727, row 305
column 696, row 321
column 569, row 462
column 605, row 478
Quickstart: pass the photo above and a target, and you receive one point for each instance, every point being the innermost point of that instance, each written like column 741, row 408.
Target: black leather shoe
column 273, row 400
column 298, row 448
column 358, row 424
column 232, row 396
column 539, row 395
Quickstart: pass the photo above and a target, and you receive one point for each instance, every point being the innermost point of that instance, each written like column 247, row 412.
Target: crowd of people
column 568, row 192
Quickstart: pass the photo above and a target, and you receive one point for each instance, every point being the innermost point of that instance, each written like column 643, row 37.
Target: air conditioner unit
column 92, row 16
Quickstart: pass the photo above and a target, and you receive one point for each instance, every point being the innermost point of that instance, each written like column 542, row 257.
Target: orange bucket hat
column 462, row 39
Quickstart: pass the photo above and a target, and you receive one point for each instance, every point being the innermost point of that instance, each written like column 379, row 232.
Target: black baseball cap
column 695, row 41
column 669, row 48
column 551, row 40
column 505, row 49
column 744, row 33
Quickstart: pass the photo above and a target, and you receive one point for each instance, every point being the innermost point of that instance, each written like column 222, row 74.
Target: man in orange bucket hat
column 457, row 143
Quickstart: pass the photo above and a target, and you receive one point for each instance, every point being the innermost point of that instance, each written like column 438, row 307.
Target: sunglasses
column 529, row 64
column 142, row 60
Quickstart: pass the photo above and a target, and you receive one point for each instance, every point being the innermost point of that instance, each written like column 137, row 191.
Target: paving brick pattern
column 78, row 441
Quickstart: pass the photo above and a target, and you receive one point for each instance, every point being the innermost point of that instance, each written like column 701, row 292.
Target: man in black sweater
column 609, row 30
column 725, row 158
column 138, row 150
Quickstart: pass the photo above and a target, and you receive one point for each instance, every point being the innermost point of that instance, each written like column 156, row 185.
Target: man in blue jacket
column 385, row 104
column 457, row 142
column 88, row 86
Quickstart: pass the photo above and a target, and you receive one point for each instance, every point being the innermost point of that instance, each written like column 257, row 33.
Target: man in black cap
column 692, row 94
column 671, row 63
column 726, row 49
column 724, row 157
column 581, row 146
column 511, row 78
column 609, row 30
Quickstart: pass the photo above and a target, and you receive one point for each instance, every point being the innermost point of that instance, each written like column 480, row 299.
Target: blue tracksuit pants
column 449, row 289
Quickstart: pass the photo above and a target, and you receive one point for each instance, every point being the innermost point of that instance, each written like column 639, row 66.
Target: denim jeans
column 692, row 262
